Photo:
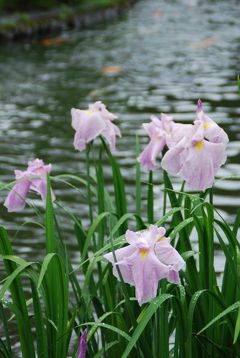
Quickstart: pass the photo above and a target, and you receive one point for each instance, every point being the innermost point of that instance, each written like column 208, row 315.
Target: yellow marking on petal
column 143, row 253
column 207, row 125
column 40, row 170
column 158, row 137
column 89, row 113
column 161, row 238
column 199, row 146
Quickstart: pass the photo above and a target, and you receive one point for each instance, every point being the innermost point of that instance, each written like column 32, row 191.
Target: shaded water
column 168, row 55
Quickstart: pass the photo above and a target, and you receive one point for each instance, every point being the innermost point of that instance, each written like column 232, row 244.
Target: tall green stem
column 88, row 164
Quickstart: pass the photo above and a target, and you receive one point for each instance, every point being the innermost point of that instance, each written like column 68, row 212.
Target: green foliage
column 22, row 5
column 199, row 318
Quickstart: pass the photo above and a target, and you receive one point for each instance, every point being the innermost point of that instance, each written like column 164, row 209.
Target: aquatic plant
column 147, row 259
column 92, row 309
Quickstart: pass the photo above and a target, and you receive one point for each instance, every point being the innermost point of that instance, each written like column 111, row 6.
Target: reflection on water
column 161, row 57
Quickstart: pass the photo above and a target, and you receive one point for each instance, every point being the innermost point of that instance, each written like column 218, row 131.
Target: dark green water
column 170, row 53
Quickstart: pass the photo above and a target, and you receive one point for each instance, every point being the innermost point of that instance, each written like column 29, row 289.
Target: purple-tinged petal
column 39, row 186
column 154, row 128
column 167, row 123
column 158, row 130
column 100, row 107
column 173, row 277
column 15, row 200
column 199, row 106
column 19, row 174
column 168, row 255
column 212, row 131
column 122, row 256
column 79, row 143
column 201, row 165
column 147, row 270
column 82, row 348
column 139, row 265
column 132, row 237
column 34, row 178
column 173, row 159
column 153, row 234
column 35, row 165
column 179, row 132
column 149, row 155
column 87, row 125
column 109, row 133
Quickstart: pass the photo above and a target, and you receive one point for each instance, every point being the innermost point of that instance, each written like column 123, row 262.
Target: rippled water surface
column 166, row 55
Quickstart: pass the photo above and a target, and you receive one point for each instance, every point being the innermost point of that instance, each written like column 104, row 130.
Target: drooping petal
column 173, row 276
column 39, row 186
column 201, row 165
column 139, row 264
column 37, row 172
column 122, row 256
column 173, row 159
column 168, row 255
column 109, row 133
column 33, row 179
column 150, row 154
column 167, row 122
column 158, row 130
column 147, row 271
column 15, row 200
column 154, row 128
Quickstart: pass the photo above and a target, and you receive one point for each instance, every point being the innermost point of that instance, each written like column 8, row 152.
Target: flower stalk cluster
column 194, row 152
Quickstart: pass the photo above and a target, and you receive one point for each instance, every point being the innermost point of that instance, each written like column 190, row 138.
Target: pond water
column 160, row 57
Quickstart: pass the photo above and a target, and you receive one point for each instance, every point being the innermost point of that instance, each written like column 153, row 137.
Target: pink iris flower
column 161, row 131
column 195, row 159
column 33, row 179
column 157, row 130
column 82, row 348
column 91, row 123
column 212, row 131
column 148, row 258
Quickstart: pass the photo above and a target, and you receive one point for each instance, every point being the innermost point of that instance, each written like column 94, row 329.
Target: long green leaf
column 228, row 310
column 18, row 298
column 149, row 312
